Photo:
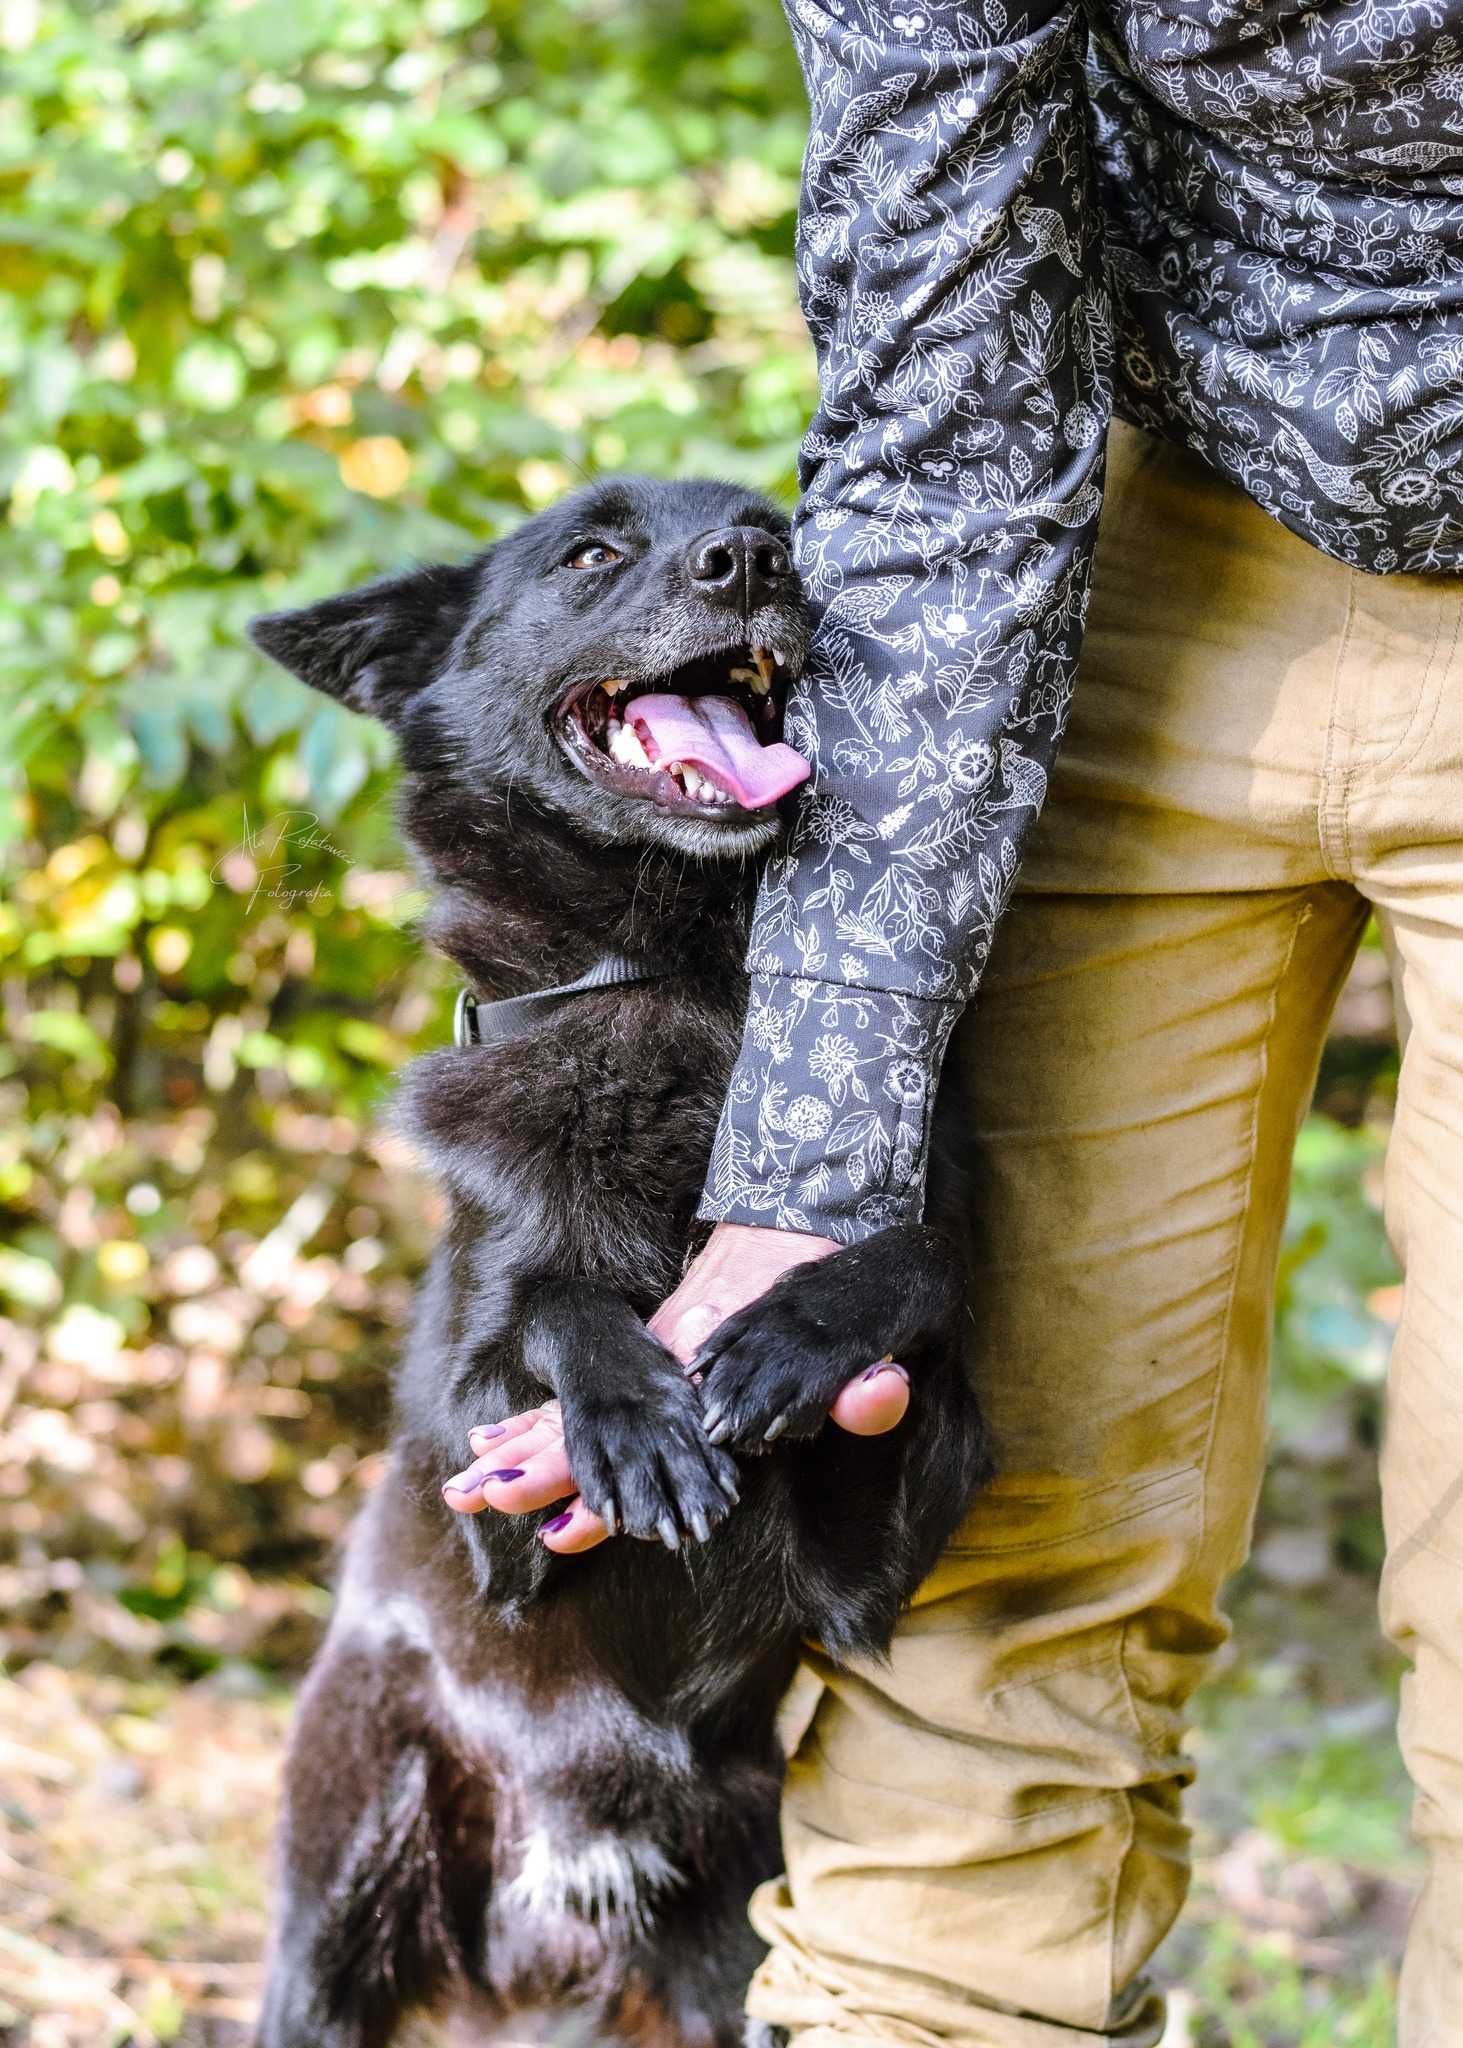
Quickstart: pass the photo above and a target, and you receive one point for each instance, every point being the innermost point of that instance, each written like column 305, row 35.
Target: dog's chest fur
column 588, row 1145
column 590, row 1794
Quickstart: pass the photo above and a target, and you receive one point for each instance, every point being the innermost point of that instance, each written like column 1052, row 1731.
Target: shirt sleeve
column 950, row 270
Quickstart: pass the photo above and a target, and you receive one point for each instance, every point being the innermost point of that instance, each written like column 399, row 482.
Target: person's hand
column 520, row 1464
column 738, row 1263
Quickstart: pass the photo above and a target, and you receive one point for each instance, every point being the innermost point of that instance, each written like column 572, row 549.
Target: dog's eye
column 597, row 555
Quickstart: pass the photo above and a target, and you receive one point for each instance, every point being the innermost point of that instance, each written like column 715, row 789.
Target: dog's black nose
column 741, row 566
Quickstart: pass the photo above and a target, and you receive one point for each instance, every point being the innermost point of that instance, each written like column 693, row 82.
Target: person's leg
column 1404, row 820
column 983, row 1837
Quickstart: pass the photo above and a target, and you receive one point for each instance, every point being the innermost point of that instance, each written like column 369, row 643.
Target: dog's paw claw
column 647, row 1470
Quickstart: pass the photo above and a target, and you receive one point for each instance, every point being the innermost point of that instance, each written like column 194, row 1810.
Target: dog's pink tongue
column 716, row 736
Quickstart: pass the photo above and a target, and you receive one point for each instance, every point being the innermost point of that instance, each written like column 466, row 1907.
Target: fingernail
column 886, row 1365
column 486, row 1433
column 558, row 1522
column 508, row 1472
column 462, row 1482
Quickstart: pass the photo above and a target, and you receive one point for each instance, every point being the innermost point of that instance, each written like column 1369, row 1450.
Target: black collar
column 478, row 1023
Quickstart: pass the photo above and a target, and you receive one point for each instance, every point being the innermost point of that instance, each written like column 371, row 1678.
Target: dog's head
column 619, row 662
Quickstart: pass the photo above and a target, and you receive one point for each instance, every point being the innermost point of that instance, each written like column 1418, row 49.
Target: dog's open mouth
column 704, row 738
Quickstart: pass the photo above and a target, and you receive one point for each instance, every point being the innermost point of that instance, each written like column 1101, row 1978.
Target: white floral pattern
column 1241, row 224
column 1284, row 204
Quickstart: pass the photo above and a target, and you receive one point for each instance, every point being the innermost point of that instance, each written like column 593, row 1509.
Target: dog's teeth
column 744, row 675
column 614, row 686
column 764, row 668
column 691, row 781
column 777, row 657
column 625, row 747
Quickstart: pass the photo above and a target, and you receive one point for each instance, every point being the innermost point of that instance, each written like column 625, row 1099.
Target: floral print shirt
column 1238, row 221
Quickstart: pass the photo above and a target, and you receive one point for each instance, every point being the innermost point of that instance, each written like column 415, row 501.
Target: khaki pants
column 984, row 1839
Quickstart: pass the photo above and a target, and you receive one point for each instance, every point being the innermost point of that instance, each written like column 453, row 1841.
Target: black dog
column 520, row 1782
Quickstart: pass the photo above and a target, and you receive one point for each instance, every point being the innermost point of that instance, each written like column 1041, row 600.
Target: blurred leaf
column 335, row 758
column 65, row 1032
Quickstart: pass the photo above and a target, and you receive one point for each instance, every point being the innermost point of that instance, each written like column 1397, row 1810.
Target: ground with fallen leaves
column 135, row 1823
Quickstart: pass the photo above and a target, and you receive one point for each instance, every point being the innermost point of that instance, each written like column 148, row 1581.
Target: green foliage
column 291, row 292
column 296, row 290
column 1253, row 1994
column 1337, row 1274
column 1339, row 1801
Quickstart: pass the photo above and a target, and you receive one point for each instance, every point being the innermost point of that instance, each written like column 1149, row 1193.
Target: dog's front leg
column 872, row 1513
column 632, row 1419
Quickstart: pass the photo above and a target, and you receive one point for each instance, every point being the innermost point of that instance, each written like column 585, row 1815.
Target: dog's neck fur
column 519, row 902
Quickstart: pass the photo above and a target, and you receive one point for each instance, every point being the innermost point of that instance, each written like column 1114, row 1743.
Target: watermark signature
column 266, row 853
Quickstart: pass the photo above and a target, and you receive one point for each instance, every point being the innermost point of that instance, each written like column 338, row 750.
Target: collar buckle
column 465, row 1020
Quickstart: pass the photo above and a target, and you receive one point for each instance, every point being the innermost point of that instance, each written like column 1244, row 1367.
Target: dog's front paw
column 775, row 1368
column 776, row 1372
column 644, row 1465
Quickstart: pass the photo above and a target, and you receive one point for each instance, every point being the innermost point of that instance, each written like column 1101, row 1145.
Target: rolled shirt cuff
column 826, row 1126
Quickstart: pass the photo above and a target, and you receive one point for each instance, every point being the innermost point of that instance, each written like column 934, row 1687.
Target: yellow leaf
column 377, row 465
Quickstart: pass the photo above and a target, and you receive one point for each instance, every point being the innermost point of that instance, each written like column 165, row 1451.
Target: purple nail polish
column 886, row 1365
column 508, row 1472
column 558, row 1522
column 486, row 1432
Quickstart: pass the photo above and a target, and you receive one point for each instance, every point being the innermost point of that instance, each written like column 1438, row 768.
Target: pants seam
column 1389, row 761
column 1130, row 1823
column 1253, row 1147
column 1335, row 781
column 1272, row 1011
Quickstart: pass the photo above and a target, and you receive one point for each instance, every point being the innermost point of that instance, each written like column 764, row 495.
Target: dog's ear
column 374, row 648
